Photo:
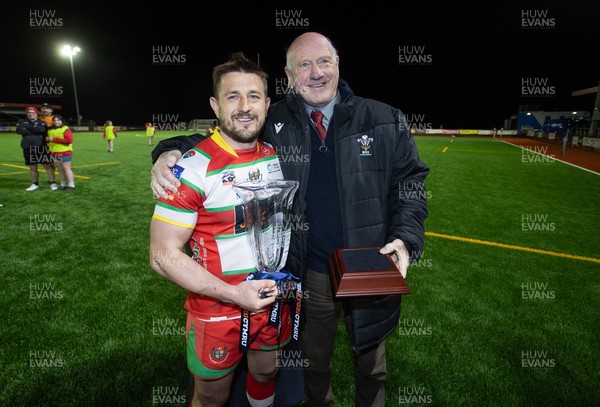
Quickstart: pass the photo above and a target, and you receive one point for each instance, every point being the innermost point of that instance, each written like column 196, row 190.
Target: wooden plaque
column 363, row 271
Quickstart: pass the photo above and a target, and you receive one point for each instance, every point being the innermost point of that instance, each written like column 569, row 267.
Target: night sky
column 460, row 67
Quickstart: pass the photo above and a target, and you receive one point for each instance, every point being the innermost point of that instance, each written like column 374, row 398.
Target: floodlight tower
column 69, row 51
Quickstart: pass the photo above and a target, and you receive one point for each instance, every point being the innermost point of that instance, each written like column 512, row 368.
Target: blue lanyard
column 276, row 275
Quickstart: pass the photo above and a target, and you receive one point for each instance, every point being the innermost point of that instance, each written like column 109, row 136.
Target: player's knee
column 211, row 399
column 265, row 374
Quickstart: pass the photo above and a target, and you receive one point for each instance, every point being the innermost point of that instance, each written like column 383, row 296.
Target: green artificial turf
column 87, row 322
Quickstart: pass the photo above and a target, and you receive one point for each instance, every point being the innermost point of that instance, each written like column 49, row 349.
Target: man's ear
column 214, row 105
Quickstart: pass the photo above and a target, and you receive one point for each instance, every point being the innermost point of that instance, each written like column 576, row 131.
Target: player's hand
column 162, row 177
column 399, row 255
column 248, row 294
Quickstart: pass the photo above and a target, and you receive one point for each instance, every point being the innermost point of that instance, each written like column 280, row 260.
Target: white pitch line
column 556, row 159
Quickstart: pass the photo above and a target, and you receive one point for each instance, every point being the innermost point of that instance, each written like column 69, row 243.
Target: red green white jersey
column 207, row 203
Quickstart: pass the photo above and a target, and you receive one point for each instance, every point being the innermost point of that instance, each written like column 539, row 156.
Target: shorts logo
column 228, row 177
column 218, row 355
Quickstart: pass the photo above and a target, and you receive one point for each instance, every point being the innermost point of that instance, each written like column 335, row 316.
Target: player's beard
column 242, row 135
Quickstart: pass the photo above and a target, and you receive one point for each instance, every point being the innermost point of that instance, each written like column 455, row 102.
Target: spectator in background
column 35, row 150
column 565, row 142
column 60, row 141
column 46, row 115
column 150, row 132
column 109, row 134
column 212, row 128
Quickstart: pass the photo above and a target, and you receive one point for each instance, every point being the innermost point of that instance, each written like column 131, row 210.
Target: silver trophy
column 266, row 209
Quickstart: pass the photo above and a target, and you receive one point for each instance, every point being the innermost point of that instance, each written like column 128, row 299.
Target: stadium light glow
column 69, row 51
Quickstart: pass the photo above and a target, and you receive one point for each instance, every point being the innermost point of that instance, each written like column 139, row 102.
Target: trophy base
column 363, row 271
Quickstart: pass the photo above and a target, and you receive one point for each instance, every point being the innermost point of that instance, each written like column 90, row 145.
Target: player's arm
column 167, row 259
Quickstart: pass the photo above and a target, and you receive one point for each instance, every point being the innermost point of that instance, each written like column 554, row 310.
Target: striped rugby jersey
column 207, row 203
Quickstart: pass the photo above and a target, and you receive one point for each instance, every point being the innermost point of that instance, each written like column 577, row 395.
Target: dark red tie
column 317, row 116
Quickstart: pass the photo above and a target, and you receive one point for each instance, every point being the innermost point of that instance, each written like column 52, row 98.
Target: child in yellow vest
column 150, row 131
column 109, row 134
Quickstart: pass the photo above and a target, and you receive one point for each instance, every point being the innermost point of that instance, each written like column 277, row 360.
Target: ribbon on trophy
column 288, row 288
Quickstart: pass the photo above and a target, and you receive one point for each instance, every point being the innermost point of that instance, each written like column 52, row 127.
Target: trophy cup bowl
column 266, row 208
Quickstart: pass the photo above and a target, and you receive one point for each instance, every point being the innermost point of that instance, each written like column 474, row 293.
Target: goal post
column 200, row 125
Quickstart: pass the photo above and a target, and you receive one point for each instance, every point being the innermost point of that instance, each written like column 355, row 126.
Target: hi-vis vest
column 56, row 147
column 46, row 119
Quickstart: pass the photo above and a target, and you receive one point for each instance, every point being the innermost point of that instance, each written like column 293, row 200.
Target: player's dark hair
column 237, row 63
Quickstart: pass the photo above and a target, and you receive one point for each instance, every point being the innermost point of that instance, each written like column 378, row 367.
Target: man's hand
column 400, row 255
column 248, row 294
column 162, row 177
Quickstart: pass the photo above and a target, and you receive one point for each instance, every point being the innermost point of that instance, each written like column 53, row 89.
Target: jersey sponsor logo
column 254, row 175
column 177, row 171
column 228, row 177
column 273, row 167
column 265, row 150
column 218, row 355
column 240, row 219
column 189, row 154
column 199, row 252
column 278, row 127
